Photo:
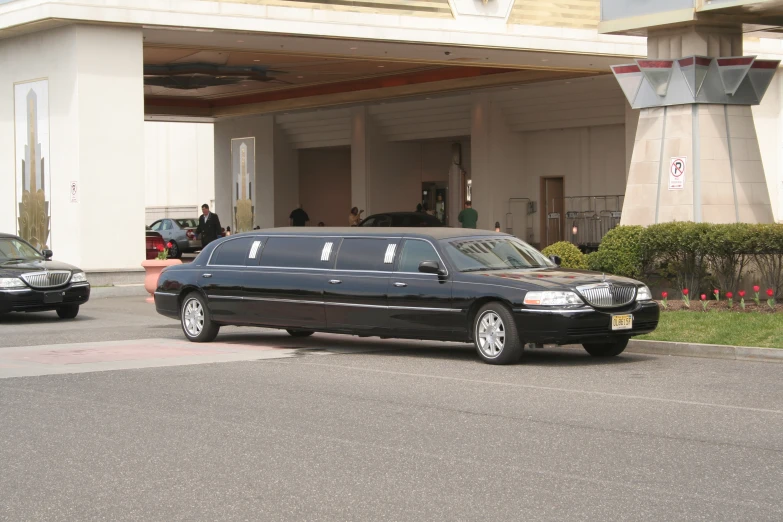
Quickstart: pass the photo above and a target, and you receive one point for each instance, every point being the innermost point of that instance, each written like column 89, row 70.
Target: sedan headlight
column 11, row 282
column 552, row 299
column 79, row 277
column 643, row 293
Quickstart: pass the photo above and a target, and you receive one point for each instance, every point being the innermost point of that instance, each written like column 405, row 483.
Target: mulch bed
column 722, row 305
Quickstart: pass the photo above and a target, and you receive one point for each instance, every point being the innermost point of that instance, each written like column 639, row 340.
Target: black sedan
column 31, row 282
column 401, row 219
column 437, row 284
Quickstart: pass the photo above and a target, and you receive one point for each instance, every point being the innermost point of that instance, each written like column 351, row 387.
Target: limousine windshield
column 473, row 255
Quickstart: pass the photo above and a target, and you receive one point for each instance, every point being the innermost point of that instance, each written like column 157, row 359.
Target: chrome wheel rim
column 193, row 317
column 491, row 334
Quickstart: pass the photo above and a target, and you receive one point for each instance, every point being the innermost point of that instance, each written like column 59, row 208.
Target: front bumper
column 32, row 300
column 583, row 325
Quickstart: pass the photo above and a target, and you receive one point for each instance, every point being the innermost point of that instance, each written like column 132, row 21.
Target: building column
column 480, row 168
column 72, row 144
column 360, row 159
column 696, row 154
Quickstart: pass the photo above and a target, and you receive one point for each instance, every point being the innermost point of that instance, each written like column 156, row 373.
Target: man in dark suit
column 208, row 226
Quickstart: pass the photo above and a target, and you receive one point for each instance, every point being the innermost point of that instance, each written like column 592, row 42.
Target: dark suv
column 402, row 219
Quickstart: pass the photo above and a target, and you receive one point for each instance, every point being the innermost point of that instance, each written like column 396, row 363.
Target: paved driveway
column 358, row 429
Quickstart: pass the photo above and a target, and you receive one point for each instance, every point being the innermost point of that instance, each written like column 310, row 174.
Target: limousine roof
column 423, row 232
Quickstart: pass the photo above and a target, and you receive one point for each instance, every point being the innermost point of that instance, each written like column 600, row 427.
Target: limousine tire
column 495, row 335
column 606, row 349
column 300, row 333
column 68, row 312
column 196, row 322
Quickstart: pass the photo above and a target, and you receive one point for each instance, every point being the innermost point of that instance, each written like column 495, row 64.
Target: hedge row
column 695, row 255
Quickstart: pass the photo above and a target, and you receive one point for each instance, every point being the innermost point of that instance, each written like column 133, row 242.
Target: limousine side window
column 299, row 252
column 367, row 254
column 232, row 253
column 414, row 252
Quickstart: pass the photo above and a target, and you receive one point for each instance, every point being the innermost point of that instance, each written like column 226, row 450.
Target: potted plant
column 154, row 267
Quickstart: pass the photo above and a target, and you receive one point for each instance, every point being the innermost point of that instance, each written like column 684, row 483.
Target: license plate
column 53, row 297
column 622, row 322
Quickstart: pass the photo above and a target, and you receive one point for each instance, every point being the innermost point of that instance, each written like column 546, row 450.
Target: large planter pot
column 153, row 268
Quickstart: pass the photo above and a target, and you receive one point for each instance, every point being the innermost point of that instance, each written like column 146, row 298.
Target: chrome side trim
column 166, row 293
column 83, row 283
column 390, row 250
column 555, row 311
column 328, row 303
column 15, row 290
column 327, row 251
column 254, row 249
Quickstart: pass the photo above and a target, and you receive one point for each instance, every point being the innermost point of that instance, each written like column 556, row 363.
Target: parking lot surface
column 342, row 428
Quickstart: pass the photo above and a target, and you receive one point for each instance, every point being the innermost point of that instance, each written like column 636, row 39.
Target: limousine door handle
column 401, row 285
column 334, row 281
column 207, row 275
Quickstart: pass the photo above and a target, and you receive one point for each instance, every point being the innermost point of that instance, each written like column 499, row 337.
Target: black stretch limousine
column 433, row 283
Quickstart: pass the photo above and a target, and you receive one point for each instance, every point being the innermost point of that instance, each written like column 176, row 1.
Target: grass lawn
column 729, row 328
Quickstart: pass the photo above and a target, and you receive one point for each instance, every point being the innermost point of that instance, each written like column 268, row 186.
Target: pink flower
column 716, row 291
column 770, row 292
column 756, row 288
column 741, row 293
column 665, row 294
column 703, row 297
column 729, row 295
column 684, row 291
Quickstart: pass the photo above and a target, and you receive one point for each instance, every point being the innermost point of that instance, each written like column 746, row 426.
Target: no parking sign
column 677, row 173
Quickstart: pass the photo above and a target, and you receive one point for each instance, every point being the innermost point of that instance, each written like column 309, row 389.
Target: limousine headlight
column 79, row 277
column 552, row 299
column 643, row 293
column 11, row 282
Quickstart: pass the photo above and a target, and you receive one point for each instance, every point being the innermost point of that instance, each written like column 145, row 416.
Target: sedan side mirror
column 47, row 254
column 431, row 267
column 556, row 260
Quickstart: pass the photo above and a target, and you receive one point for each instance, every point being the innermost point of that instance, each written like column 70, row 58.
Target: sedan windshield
column 493, row 253
column 12, row 249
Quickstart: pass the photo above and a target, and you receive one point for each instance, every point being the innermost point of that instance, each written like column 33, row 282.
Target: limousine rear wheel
column 606, row 349
column 495, row 335
column 195, row 319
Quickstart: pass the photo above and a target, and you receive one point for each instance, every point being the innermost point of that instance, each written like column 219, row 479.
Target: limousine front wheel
column 196, row 323
column 495, row 335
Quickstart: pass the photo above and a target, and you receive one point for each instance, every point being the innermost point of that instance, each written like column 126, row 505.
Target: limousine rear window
column 473, row 255
column 296, row 252
column 232, row 252
column 366, row 254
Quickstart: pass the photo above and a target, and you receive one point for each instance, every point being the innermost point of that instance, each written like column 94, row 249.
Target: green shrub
column 570, row 255
column 766, row 245
column 620, row 253
column 727, row 250
column 679, row 249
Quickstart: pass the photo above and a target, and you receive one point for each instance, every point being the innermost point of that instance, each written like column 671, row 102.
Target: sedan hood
column 16, row 268
column 552, row 278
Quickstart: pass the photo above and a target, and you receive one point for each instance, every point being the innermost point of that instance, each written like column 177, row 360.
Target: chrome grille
column 47, row 279
column 608, row 295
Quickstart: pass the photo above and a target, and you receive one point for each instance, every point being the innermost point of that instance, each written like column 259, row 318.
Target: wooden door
column 552, row 211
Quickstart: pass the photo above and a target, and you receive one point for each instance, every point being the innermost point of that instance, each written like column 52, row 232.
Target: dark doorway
column 553, row 215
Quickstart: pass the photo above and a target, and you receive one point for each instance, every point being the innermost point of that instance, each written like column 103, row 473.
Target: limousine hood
column 17, row 268
column 552, row 278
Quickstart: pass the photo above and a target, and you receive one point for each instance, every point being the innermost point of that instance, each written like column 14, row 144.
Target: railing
column 589, row 218
column 520, row 223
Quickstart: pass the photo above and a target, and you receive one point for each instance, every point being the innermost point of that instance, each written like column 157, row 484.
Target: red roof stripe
column 727, row 62
column 625, row 69
column 656, row 64
column 703, row 61
column 765, row 64
column 685, row 62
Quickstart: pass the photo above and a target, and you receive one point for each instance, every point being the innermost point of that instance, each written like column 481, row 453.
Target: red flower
column 716, row 291
column 741, row 293
column 664, row 294
column 756, row 288
column 770, row 292
column 168, row 245
column 729, row 295
column 703, row 297
column 684, row 291
column 160, row 248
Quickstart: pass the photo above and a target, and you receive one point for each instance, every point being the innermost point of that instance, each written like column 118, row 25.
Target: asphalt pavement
column 342, row 428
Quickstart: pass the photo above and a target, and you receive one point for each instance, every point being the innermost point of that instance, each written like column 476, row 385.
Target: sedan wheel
column 174, row 251
column 196, row 323
column 495, row 335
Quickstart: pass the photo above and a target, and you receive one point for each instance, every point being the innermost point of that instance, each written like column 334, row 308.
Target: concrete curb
column 102, row 292
column 709, row 351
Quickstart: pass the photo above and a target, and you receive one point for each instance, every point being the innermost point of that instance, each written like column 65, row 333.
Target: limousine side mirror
column 556, row 260
column 430, row 267
column 47, row 254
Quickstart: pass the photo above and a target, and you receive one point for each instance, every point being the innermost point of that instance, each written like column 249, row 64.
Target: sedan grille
column 47, row 279
column 608, row 295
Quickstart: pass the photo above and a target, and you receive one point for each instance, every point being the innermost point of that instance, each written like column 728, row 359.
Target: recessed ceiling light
column 256, row 60
column 240, row 41
column 381, row 66
column 353, row 48
column 300, row 77
column 514, row 88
